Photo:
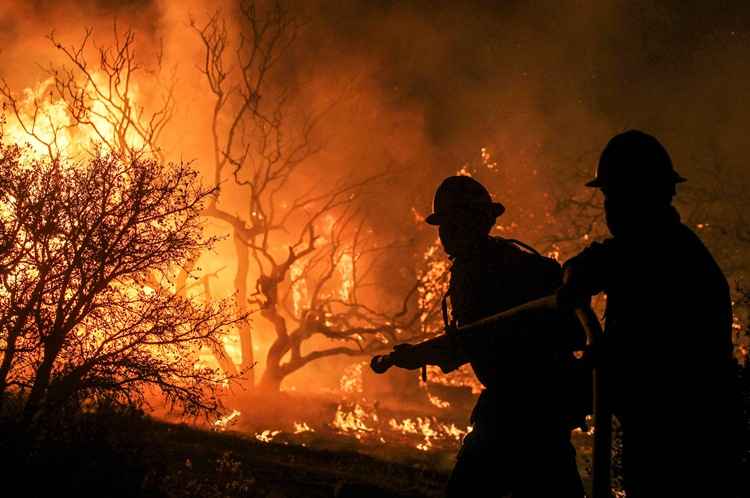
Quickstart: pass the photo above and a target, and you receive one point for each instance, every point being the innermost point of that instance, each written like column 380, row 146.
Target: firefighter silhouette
column 667, row 329
column 520, row 443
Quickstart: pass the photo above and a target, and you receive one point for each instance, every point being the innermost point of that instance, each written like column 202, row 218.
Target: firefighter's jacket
column 531, row 377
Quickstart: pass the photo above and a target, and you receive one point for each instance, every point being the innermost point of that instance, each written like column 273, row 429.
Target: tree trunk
column 273, row 373
column 13, row 335
column 10, row 351
column 38, row 390
column 246, row 330
column 271, row 379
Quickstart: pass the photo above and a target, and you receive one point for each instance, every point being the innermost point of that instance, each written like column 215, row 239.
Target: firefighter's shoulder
column 523, row 254
column 596, row 255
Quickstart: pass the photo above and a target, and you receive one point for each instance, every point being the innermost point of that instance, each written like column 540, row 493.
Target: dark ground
column 143, row 457
column 124, row 453
column 280, row 470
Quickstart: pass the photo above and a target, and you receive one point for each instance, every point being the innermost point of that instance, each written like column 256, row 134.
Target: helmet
column 632, row 158
column 461, row 193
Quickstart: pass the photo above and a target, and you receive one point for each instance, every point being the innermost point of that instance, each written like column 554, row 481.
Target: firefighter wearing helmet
column 522, row 420
column 667, row 329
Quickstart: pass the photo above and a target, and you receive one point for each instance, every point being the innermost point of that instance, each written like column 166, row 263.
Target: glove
column 406, row 356
column 380, row 364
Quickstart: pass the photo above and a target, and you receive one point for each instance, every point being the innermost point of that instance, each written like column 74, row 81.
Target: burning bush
column 89, row 305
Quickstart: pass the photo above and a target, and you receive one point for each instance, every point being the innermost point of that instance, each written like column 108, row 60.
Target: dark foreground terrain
column 286, row 470
column 120, row 453
column 133, row 455
column 116, row 452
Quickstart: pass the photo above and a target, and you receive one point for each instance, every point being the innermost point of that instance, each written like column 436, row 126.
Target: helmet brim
column 598, row 183
column 436, row 219
column 595, row 183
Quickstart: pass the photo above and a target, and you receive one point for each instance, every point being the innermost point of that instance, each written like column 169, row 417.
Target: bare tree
column 715, row 201
column 289, row 236
column 98, row 105
column 79, row 316
column 320, row 288
column 577, row 213
column 85, row 107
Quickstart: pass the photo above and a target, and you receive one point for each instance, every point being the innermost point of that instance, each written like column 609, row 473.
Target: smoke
column 420, row 87
column 544, row 87
column 424, row 85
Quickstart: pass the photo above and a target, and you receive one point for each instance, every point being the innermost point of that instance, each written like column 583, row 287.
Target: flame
column 740, row 331
column 299, row 287
column 346, row 270
column 433, row 281
column 589, row 427
column 300, row 427
column 223, row 422
column 232, row 347
column 267, row 435
column 351, row 381
column 554, row 254
column 50, row 118
column 46, row 123
column 487, row 158
column 437, row 401
column 430, row 429
column 462, row 377
column 329, row 222
column 354, row 421
column 464, row 171
column 424, row 433
column 418, row 217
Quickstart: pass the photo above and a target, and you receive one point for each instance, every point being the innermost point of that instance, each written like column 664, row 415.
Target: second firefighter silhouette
column 668, row 329
column 522, row 420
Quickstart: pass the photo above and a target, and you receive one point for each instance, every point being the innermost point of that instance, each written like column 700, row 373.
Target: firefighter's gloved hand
column 406, row 356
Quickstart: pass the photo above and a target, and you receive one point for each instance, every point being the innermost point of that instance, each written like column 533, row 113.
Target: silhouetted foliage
column 89, row 309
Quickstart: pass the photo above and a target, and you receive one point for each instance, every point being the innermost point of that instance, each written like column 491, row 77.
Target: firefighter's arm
column 449, row 351
column 504, row 329
column 572, row 293
column 438, row 351
column 585, row 275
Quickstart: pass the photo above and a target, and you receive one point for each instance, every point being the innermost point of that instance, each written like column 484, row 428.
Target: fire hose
column 602, row 414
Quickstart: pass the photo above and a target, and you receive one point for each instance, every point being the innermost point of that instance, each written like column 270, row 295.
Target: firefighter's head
column 636, row 176
column 464, row 213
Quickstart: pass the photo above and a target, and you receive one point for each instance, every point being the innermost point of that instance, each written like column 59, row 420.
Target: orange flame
column 226, row 421
column 47, row 125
